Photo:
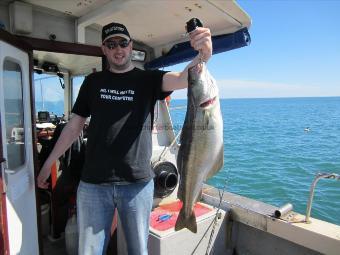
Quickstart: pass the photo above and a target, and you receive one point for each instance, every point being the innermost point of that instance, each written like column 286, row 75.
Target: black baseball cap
column 115, row 29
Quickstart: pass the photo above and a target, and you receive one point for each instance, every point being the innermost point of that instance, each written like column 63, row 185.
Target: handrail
column 311, row 193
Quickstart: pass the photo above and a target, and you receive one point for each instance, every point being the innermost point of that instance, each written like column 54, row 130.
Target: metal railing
column 311, row 194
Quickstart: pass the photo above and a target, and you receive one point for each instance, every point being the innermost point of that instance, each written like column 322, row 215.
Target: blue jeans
column 95, row 208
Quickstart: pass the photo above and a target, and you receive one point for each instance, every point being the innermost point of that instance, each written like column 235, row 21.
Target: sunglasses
column 114, row 44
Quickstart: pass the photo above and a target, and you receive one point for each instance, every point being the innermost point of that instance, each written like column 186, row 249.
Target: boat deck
column 58, row 247
column 54, row 247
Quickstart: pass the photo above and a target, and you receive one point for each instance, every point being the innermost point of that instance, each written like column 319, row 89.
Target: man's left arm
column 200, row 40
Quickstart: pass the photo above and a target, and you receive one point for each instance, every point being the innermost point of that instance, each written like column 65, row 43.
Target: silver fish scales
column 200, row 154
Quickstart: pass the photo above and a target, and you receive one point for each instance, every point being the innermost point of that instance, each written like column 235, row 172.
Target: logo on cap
column 114, row 29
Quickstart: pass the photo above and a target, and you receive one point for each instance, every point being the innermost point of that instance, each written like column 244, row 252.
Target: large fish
column 200, row 155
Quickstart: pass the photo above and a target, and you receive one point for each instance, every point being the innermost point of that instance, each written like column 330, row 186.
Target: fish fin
column 218, row 164
column 183, row 222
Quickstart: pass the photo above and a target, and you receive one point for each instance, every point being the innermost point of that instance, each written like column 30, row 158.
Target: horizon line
column 282, row 97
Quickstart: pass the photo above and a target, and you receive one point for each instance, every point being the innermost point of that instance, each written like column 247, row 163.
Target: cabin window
column 49, row 94
column 14, row 114
column 76, row 83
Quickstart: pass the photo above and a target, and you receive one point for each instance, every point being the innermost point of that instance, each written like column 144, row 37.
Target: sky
column 295, row 52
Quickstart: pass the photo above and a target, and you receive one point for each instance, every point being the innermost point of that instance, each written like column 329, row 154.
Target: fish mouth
column 208, row 102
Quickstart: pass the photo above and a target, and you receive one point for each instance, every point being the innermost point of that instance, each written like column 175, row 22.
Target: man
column 117, row 171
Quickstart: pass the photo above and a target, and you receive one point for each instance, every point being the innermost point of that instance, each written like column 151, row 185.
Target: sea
column 273, row 149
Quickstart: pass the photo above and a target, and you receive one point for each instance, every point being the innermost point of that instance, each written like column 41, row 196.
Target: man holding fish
column 117, row 171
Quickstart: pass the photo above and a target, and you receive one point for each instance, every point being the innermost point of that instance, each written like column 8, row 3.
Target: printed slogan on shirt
column 117, row 95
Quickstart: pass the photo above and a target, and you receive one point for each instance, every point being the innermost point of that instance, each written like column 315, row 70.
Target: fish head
column 202, row 87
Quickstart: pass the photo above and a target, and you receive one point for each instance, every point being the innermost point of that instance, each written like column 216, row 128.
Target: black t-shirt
column 121, row 107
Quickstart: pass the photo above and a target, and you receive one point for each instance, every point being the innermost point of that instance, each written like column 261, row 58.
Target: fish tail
column 186, row 222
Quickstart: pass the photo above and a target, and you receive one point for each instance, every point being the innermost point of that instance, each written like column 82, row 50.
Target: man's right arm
column 69, row 134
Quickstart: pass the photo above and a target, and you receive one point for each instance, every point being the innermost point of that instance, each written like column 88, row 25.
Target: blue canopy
column 184, row 52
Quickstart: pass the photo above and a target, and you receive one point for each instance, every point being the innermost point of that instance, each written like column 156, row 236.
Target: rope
column 166, row 149
column 217, row 215
column 213, row 224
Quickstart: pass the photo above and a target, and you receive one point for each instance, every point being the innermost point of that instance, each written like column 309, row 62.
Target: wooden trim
column 4, row 241
column 61, row 47
column 13, row 40
column 3, row 223
column 2, row 159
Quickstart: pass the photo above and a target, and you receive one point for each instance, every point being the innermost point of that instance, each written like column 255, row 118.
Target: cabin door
column 18, row 204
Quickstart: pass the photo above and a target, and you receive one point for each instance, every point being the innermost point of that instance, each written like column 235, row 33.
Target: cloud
column 179, row 94
column 49, row 93
column 54, row 95
column 263, row 89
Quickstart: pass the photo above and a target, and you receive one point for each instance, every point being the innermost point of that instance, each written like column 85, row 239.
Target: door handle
column 2, row 160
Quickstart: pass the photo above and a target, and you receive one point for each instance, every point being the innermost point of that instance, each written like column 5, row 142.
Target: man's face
column 118, row 52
